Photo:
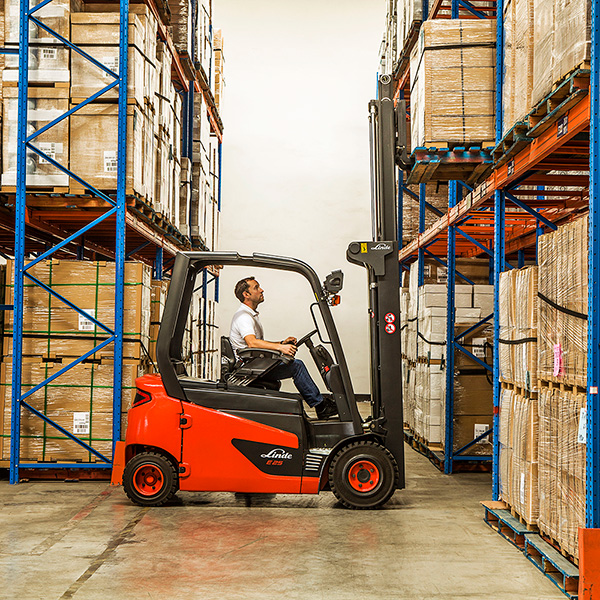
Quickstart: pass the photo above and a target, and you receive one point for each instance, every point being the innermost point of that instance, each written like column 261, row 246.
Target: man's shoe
column 326, row 409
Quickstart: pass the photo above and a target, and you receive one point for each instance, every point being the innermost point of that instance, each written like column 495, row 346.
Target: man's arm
column 254, row 342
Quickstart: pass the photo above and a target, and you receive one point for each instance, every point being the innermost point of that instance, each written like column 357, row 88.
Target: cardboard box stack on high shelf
column 543, row 367
column 86, row 142
column 452, row 81
column 424, row 354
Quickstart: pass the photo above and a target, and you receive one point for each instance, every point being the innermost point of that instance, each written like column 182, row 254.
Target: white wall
column 299, row 76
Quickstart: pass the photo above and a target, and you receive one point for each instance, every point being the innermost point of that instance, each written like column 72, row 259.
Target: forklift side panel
column 227, row 453
column 156, row 423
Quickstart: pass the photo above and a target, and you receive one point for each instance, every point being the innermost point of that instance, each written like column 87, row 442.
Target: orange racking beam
column 530, row 157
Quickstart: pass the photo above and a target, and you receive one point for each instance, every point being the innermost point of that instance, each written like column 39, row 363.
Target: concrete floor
column 87, row 541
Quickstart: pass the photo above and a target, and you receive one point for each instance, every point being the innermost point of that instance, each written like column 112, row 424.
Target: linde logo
column 381, row 247
column 277, row 453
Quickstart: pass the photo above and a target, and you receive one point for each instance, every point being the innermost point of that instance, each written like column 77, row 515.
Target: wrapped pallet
column 563, row 300
column 52, row 330
column 98, row 34
column 408, row 14
column 80, row 400
column 524, row 468
column 45, row 105
column 562, row 456
column 93, row 147
column 518, row 61
column 48, row 57
column 453, row 84
column 219, row 85
column 562, row 38
column 526, row 330
column 505, row 460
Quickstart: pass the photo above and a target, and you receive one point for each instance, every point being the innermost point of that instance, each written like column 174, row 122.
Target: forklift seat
column 250, row 368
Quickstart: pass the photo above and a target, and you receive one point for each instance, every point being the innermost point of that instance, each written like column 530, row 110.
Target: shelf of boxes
column 70, row 217
column 534, row 215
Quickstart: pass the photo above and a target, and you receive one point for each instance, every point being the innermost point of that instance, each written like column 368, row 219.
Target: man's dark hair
column 241, row 287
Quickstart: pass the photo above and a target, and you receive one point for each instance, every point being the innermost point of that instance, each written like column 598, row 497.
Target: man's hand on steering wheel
column 290, row 340
column 289, row 349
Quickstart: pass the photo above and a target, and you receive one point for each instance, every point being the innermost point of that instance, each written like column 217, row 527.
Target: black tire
column 150, row 479
column 363, row 475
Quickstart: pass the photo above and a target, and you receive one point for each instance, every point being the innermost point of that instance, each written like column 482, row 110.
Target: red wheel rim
column 148, row 480
column 363, row 476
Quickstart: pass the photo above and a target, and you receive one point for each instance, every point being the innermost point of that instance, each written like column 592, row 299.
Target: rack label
column 562, row 126
column 81, row 423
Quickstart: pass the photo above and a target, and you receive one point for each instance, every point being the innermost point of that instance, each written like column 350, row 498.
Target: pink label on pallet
column 558, row 362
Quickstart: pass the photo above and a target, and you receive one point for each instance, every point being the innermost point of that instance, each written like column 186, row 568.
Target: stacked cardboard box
column 562, row 455
column 436, row 195
column 407, row 13
column 86, row 142
column 518, row 327
column 561, row 41
column 424, row 356
column 563, row 304
column 54, row 335
column 453, row 84
column 219, row 69
column 518, row 61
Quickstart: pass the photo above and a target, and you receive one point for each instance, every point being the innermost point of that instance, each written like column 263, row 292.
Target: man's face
column 254, row 292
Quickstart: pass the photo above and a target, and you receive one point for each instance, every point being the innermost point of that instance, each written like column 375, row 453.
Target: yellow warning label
column 363, row 248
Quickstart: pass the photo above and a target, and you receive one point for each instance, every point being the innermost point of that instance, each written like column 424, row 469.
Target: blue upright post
column 521, row 258
column 158, row 264
column 120, row 220
column 421, row 254
column 499, row 240
column 20, row 209
column 453, row 198
column 454, row 9
column 592, row 501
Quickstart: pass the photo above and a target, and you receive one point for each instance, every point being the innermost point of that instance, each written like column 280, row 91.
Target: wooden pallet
column 11, row 189
column 562, row 572
column 518, row 389
column 512, row 143
column 566, row 93
column 468, row 164
column 563, row 387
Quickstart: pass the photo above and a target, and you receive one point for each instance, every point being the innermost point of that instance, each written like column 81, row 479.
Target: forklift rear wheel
column 363, row 475
column 150, row 479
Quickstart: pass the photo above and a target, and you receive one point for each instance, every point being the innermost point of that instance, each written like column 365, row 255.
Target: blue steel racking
column 456, row 9
column 147, row 240
column 566, row 138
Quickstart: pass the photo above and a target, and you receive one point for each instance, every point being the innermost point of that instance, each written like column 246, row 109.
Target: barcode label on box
column 442, row 275
column 49, row 53
column 112, row 63
column 479, row 347
column 582, row 431
column 51, row 149
column 110, row 161
column 480, row 429
column 81, row 423
column 86, row 324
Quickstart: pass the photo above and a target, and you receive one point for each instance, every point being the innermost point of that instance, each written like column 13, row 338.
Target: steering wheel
column 305, row 339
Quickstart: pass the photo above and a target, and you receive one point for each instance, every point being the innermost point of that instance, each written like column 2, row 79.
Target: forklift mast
column 380, row 257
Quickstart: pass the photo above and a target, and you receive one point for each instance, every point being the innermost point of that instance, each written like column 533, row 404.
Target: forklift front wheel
column 363, row 475
column 150, row 479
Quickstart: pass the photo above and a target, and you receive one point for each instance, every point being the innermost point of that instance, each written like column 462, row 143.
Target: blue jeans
column 302, row 380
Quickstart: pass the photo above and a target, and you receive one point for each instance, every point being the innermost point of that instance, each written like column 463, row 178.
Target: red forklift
column 243, row 434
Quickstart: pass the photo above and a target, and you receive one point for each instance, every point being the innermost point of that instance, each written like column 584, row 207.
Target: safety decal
column 390, row 328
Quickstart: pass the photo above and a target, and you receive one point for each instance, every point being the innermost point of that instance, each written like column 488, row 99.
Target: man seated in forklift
column 247, row 332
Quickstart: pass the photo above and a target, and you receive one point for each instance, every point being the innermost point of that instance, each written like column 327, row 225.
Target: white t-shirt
column 245, row 322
